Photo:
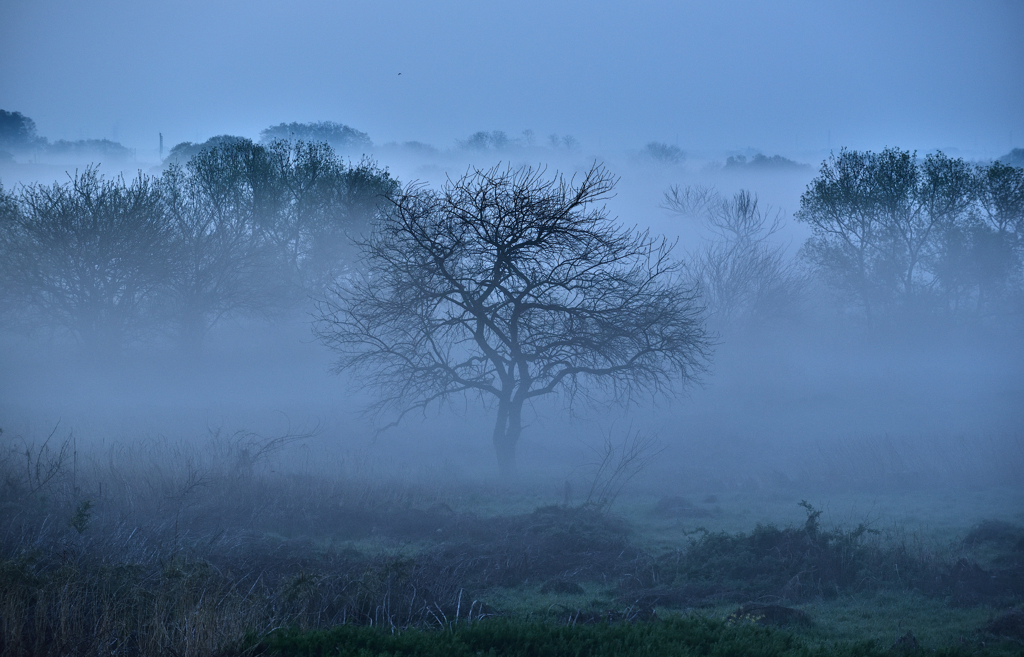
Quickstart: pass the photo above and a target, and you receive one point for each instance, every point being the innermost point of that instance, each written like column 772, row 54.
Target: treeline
column 244, row 228
column 903, row 238
column 18, row 135
column 897, row 242
column 241, row 228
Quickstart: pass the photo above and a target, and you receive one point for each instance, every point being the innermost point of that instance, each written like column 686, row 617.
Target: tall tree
column 991, row 248
column 507, row 285
column 220, row 265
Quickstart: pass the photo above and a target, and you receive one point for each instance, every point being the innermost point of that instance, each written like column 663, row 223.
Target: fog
column 809, row 398
column 662, row 95
column 408, row 316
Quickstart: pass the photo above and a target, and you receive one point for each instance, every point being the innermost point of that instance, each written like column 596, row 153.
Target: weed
column 615, row 466
column 82, row 516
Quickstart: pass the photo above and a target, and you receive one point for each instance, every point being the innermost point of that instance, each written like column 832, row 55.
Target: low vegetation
column 160, row 548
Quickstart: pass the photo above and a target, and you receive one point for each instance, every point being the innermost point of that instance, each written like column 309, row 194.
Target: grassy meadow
column 207, row 548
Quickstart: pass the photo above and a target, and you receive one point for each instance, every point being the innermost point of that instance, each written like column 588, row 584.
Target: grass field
column 201, row 549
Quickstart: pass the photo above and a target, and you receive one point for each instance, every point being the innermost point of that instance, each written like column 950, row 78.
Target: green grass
column 679, row 635
column 889, row 614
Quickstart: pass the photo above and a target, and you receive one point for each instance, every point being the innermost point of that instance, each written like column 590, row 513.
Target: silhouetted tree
column 482, row 141
column 509, row 286
column 1015, row 158
column 326, row 204
column 258, row 228
column 662, row 153
column 17, row 132
column 220, row 265
column 88, row 256
column 763, row 163
column 1001, row 195
column 86, row 150
column 182, row 152
column 981, row 263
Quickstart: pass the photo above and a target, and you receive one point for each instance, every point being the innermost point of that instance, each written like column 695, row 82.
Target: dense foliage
column 907, row 238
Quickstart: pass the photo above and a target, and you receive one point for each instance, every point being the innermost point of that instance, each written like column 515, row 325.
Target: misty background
column 730, row 97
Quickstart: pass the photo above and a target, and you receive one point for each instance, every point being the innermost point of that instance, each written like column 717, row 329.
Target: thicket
column 242, row 228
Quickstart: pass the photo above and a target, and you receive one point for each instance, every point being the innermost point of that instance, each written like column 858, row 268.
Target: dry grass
column 173, row 548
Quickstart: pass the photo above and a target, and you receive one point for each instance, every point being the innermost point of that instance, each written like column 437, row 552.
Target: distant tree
column 18, row 132
column 1015, row 158
column 341, row 137
column 88, row 255
column 743, row 276
column 663, row 153
column 763, row 162
column 419, row 147
column 82, row 150
column 258, row 228
column 982, row 257
column 482, row 141
column 220, row 266
column 327, row 204
column 889, row 228
column 183, row 152
column 567, row 142
column 1001, row 196
column 508, row 286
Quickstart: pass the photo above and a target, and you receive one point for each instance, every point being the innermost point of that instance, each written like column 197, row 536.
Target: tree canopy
column 17, row 131
column 341, row 137
column 241, row 228
column 909, row 236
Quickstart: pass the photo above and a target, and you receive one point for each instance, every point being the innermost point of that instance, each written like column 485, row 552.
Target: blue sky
column 788, row 77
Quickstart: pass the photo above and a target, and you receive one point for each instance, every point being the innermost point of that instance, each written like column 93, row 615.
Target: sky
column 788, row 77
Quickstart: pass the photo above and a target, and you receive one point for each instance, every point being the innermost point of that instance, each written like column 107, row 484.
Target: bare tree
column 508, row 285
column 742, row 274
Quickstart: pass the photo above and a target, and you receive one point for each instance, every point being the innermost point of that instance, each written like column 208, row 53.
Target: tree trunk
column 507, row 429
